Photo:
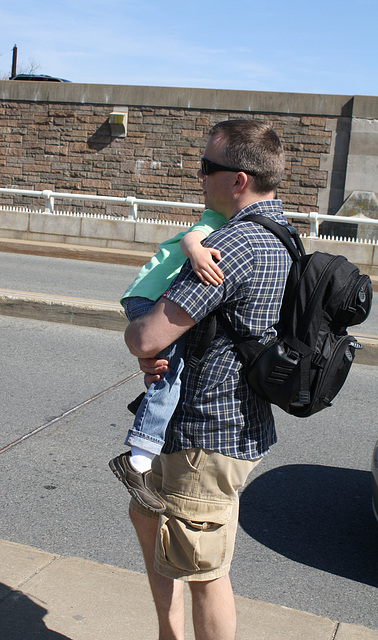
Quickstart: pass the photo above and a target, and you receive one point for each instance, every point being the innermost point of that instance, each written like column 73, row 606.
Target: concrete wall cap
column 254, row 101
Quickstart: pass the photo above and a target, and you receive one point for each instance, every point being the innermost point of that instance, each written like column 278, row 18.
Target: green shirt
column 154, row 278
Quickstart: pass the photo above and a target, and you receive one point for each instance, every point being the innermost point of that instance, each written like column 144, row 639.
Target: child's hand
column 201, row 258
column 151, row 368
column 204, row 266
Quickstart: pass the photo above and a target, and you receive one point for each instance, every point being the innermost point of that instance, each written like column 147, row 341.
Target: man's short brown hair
column 253, row 145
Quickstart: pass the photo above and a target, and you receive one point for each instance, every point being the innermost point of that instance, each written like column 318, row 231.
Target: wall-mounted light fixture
column 118, row 122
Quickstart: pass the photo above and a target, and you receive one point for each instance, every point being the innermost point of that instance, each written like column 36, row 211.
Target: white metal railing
column 133, row 203
column 313, row 217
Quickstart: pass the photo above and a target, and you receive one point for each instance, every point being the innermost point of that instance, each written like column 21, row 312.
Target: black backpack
column 303, row 368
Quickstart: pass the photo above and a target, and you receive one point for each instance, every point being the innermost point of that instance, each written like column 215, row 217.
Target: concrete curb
column 99, row 314
column 369, row 353
column 130, row 257
column 102, row 314
column 47, row 593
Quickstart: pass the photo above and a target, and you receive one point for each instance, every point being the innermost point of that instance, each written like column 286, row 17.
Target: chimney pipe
column 14, row 62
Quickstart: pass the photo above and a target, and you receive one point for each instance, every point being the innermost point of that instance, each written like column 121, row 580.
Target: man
column 220, row 429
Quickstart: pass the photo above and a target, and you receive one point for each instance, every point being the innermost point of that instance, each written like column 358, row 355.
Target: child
column 146, row 437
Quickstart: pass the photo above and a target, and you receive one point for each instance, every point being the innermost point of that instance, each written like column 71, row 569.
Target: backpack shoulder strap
column 285, row 233
column 203, row 343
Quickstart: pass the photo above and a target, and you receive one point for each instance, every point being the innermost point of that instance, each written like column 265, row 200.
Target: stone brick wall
column 53, row 140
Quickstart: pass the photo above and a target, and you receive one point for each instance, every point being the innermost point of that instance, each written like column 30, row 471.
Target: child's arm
column 201, row 258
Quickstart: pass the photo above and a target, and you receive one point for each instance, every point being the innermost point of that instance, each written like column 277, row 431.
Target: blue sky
column 327, row 47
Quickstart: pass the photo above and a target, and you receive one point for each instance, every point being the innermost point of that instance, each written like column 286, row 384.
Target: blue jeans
column 161, row 398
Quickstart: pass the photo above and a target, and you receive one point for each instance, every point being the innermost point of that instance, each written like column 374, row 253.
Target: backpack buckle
column 292, row 354
column 318, row 360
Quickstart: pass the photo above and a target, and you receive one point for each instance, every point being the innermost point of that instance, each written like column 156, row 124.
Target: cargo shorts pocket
column 191, row 546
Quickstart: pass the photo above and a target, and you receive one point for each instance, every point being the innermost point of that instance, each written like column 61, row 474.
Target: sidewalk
column 61, row 598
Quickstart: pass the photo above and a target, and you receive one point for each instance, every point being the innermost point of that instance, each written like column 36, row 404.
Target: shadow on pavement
column 22, row 618
column 316, row 515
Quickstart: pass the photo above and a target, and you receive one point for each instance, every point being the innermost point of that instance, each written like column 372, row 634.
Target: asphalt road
column 93, row 280
column 307, row 536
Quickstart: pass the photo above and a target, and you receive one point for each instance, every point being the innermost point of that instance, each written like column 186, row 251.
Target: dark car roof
column 37, row 78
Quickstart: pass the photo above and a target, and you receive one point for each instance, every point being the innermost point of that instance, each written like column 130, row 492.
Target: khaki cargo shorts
column 196, row 533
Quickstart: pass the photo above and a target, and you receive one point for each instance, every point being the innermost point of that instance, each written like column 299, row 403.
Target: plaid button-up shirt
column 217, row 409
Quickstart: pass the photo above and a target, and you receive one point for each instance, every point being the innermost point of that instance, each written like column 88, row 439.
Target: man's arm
column 148, row 335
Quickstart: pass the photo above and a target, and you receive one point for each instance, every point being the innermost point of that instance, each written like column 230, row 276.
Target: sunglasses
column 208, row 167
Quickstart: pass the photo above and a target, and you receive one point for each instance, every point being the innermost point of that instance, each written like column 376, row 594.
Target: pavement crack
column 37, row 571
column 17, row 591
column 67, row 413
column 335, row 630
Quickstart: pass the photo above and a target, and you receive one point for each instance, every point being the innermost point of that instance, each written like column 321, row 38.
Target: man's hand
column 152, row 367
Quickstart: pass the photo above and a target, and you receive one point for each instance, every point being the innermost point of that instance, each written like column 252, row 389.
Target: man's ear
column 240, row 182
